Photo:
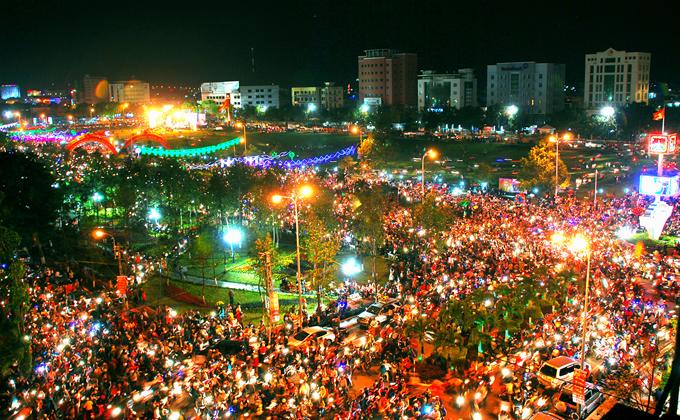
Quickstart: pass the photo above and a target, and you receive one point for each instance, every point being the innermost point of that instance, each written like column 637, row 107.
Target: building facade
column 535, row 88
column 332, row 97
column 95, row 90
column 258, row 96
column 388, row 77
column 616, row 78
column 130, row 91
column 9, row 92
column 218, row 91
column 455, row 90
column 305, row 95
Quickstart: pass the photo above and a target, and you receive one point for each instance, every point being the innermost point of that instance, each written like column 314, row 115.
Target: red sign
column 662, row 143
column 274, row 315
column 578, row 391
column 121, row 285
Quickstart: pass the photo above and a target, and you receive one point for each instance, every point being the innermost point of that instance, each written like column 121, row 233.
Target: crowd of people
column 97, row 356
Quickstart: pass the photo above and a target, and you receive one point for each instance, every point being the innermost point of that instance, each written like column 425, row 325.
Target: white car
column 377, row 311
column 307, row 335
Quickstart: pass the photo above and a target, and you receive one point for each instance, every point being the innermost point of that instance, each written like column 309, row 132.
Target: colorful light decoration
column 278, row 160
column 45, row 136
column 195, row 152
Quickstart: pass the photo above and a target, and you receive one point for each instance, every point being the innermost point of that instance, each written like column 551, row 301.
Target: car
column 307, row 335
column 377, row 311
column 593, row 399
column 558, row 371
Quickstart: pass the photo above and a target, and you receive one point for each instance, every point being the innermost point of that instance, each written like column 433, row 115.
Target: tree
column 202, row 249
column 29, row 204
column 538, row 168
column 321, row 245
column 373, row 205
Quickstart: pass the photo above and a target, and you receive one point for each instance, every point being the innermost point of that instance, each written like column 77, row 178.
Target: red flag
column 659, row 115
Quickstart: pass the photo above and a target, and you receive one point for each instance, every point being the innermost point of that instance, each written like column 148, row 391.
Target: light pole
column 556, row 139
column 97, row 198
column 18, row 115
column 304, row 191
column 432, row 154
column 578, row 245
column 245, row 141
column 101, row 234
column 233, row 236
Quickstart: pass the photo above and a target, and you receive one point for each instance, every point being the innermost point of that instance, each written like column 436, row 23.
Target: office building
column 9, row 92
column 535, row 88
column 451, row 90
column 387, row 77
column 332, row 97
column 303, row 96
column 95, row 90
column 258, row 96
column 218, row 91
column 616, row 78
column 130, row 91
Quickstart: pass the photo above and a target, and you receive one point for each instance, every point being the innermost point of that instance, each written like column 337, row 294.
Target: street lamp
column 154, row 215
column 364, row 108
column 233, row 236
column 511, row 111
column 18, row 115
column 303, row 192
column 350, row 267
column 607, row 111
column 99, row 234
column 91, row 112
column 245, row 142
column 557, row 139
column 311, row 107
column 97, row 198
column 432, row 154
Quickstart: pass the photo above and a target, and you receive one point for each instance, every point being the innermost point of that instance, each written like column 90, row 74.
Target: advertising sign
column 121, row 285
column 579, row 388
column 510, row 185
column 274, row 315
column 662, row 143
column 664, row 186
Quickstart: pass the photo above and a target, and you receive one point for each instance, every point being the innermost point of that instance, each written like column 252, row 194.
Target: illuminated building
column 457, row 90
column 9, row 92
column 95, row 89
column 332, row 97
column 258, row 96
column 616, row 78
column 388, row 77
column 535, row 88
column 218, row 91
column 303, row 96
column 131, row 91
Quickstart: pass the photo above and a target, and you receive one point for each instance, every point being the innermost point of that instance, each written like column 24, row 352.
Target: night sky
column 308, row 42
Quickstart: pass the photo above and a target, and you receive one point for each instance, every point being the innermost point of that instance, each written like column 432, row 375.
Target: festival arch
column 91, row 138
column 147, row 136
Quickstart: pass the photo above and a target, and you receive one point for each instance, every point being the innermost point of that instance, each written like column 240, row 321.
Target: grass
column 663, row 241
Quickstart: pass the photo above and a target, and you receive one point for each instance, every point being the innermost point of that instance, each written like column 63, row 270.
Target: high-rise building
column 95, row 90
column 388, row 77
column 130, row 91
column 9, row 92
column 332, row 97
column 535, row 88
column 304, row 96
column 616, row 78
column 454, row 90
column 259, row 96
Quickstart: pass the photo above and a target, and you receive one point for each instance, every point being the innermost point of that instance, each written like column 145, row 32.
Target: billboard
column 664, row 186
column 510, row 185
column 662, row 143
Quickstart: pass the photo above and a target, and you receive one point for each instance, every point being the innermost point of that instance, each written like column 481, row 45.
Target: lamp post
column 432, row 154
column 556, row 139
column 245, row 141
column 98, row 234
column 233, row 236
column 97, row 198
column 295, row 197
column 578, row 245
column 18, row 115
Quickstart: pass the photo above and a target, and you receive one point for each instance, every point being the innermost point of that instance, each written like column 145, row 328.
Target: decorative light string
column 277, row 160
column 198, row 151
column 44, row 136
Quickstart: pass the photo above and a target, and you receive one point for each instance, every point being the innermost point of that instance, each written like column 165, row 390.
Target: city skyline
column 309, row 43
